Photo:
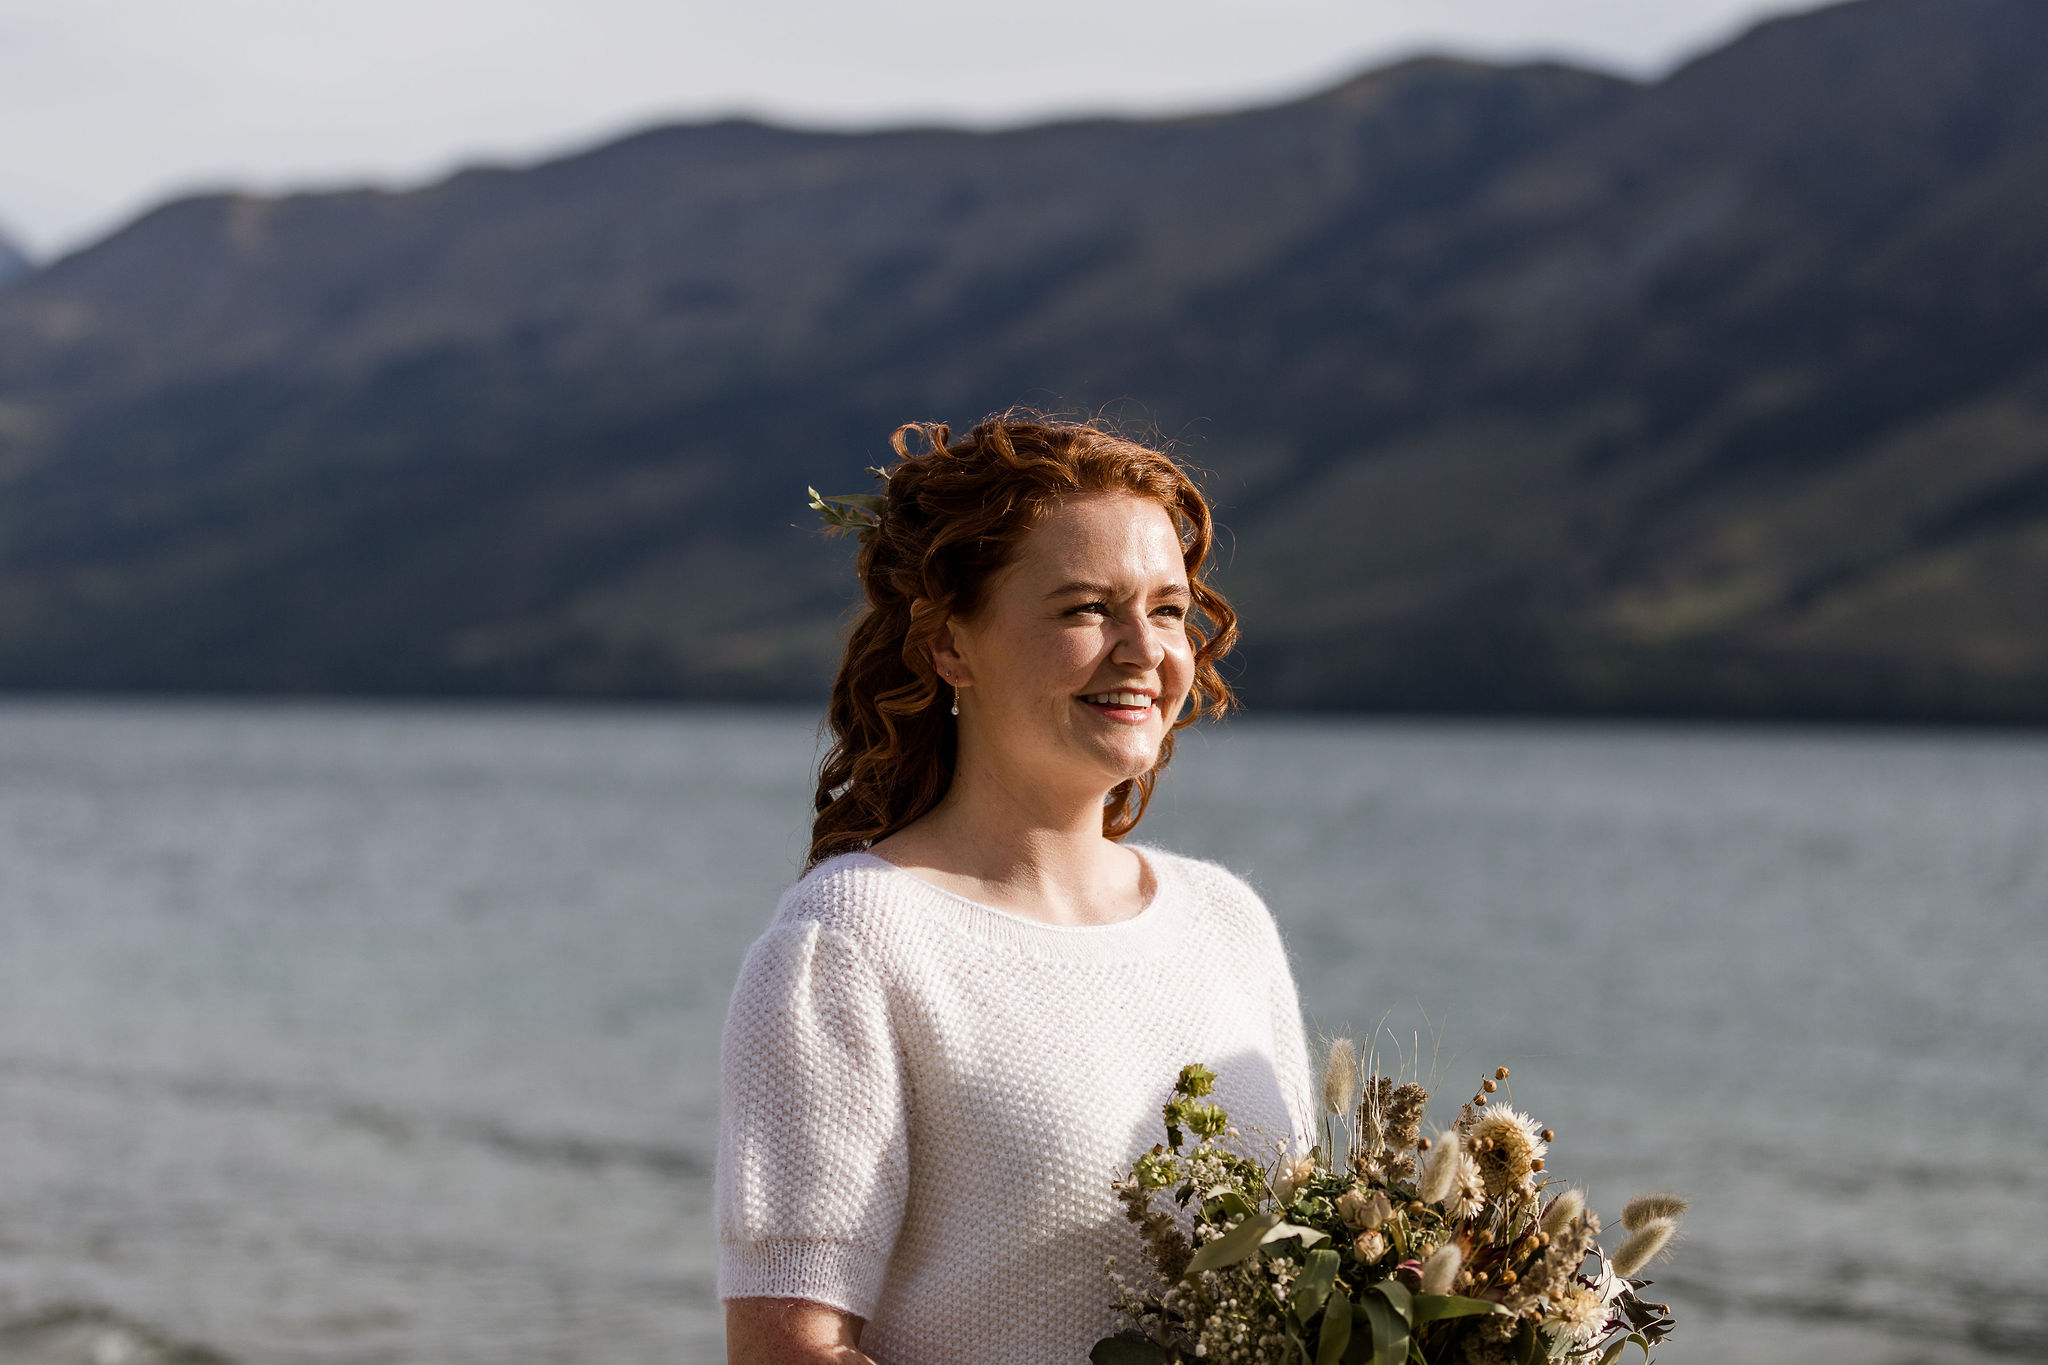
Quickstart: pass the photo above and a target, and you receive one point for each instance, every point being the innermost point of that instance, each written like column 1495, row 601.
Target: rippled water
column 389, row 1034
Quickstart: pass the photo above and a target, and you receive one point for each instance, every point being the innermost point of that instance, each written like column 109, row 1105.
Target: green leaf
column 1309, row 1236
column 1127, row 1348
column 1398, row 1298
column 1227, row 1201
column 1336, row 1327
column 1389, row 1330
column 1312, row 1285
column 1430, row 1307
column 1359, row 1352
column 1234, row 1245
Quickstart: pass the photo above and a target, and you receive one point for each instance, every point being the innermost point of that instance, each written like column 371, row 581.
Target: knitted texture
column 926, row 1099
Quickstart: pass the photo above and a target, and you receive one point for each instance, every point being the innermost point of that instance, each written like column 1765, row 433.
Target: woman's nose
column 1138, row 645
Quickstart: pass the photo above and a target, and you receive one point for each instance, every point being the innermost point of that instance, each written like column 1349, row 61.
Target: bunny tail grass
column 1440, row 1271
column 1643, row 1246
column 1644, row 1207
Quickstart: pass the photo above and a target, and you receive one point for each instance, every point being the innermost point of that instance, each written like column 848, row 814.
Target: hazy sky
column 107, row 106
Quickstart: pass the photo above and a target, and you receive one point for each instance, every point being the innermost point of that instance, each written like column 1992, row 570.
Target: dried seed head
column 1550, row 1135
column 1500, row 1073
column 1644, row 1207
column 1643, row 1246
column 1405, row 1105
column 1440, row 1271
column 1479, row 1099
column 1562, row 1211
column 1340, row 1077
column 1536, row 1164
column 1489, row 1086
column 1422, row 1144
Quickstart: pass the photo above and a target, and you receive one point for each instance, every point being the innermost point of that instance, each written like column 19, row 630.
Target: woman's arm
column 790, row 1332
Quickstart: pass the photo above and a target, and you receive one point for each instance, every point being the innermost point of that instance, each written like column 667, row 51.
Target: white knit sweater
column 926, row 1098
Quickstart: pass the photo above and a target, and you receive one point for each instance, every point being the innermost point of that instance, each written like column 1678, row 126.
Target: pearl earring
column 956, row 701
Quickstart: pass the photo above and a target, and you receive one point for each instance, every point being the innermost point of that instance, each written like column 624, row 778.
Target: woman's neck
column 1025, row 849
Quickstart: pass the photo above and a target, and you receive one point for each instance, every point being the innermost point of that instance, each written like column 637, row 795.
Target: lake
column 389, row 1033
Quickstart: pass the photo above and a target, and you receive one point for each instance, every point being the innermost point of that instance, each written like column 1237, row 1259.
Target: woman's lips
column 1123, row 709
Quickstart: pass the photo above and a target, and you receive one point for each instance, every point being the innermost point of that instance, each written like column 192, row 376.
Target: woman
column 963, row 1020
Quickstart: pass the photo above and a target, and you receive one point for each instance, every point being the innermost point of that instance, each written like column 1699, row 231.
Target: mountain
column 14, row 262
column 1520, row 389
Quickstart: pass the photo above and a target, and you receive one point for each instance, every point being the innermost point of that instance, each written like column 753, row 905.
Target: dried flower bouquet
column 1452, row 1250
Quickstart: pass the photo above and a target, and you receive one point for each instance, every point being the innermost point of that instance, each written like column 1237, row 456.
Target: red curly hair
column 954, row 514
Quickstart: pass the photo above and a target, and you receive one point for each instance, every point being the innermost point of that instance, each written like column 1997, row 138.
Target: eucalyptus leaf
column 1228, row 1201
column 1430, row 1307
column 1336, row 1327
column 1234, row 1245
column 1312, row 1285
column 1282, row 1231
column 1126, row 1348
column 1613, row 1353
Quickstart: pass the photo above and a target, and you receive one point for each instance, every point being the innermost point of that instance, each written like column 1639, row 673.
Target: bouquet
column 1457, row 1249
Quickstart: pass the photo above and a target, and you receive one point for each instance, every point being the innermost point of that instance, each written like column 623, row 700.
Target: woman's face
column 1077, row 662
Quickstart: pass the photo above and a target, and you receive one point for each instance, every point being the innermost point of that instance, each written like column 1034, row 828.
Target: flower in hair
column 851, row 514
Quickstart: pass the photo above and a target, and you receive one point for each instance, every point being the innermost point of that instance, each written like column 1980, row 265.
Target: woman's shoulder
column 1203, row 875
column 1217, row 891
column 845, row 893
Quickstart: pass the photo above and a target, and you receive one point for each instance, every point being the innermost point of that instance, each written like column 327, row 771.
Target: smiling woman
column 1024, row 534
column 962, row 1022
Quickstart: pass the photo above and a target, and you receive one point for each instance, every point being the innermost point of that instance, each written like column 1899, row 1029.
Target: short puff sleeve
column 812, row 1151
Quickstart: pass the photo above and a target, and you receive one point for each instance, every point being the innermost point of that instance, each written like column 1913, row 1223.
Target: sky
column 110, row 106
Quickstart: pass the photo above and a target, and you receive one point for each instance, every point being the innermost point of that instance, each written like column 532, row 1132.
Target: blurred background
column 1630, row 426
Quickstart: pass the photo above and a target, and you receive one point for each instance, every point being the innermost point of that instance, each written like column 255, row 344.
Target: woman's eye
column 1177, row 613
column 1102, row 607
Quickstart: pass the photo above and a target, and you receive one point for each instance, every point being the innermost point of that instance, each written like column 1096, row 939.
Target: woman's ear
column 947, row 657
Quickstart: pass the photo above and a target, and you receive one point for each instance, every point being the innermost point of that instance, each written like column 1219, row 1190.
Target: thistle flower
column 1644, row 1207
column 1440, row 1271
column 1440, row 1170
column 1340, row 1077
column 1643, row 1246
column 1562, row 1210
column 1505, row 1142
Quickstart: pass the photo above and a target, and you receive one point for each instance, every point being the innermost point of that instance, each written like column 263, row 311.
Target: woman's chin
column 1128, row 757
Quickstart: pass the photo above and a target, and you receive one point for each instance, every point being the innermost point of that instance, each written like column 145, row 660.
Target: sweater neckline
column 1119, row 938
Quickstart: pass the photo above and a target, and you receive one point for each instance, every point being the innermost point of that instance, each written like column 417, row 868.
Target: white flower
column 1292, row 1176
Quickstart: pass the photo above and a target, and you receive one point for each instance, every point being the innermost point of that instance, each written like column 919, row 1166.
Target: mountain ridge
column 1721, row 394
